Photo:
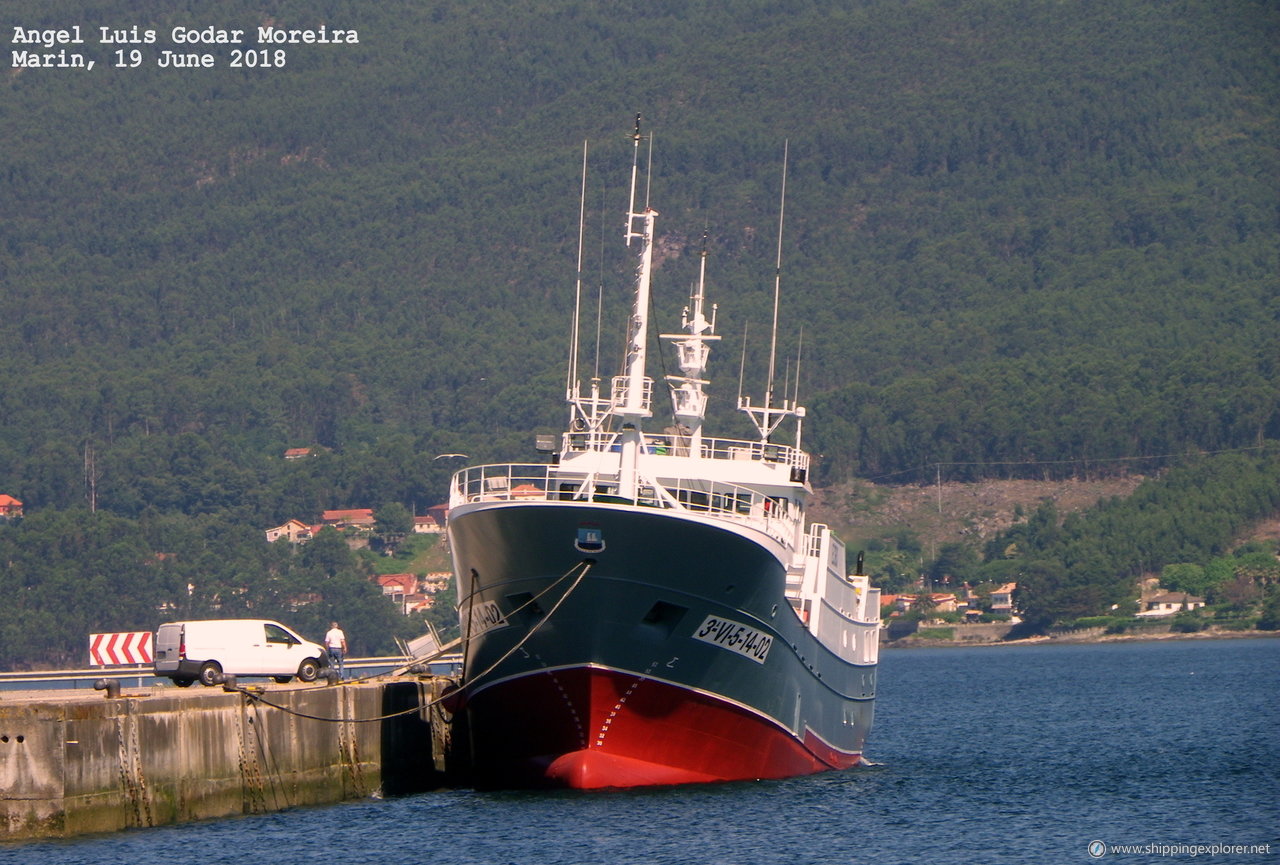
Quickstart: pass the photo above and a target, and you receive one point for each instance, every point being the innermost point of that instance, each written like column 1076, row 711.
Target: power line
column 940, row 464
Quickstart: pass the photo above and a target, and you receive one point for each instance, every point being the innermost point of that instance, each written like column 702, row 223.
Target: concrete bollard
column 111, row 686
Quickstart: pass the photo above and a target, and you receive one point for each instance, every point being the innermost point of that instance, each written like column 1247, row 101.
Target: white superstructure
column 757, row 486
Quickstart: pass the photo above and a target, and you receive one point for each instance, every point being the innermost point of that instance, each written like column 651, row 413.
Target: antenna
column 648, row 171
column 777, row 282
column 795, row 394
column 574, row 342
column 765, row 417
column 600, row 288
column 796, row 408
column 635, row 167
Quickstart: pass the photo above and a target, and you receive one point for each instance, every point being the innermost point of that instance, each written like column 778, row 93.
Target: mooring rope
column 256, row 695
column 586, row 566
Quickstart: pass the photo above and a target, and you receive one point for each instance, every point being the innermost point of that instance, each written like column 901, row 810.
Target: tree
column 392, row 524
column 956, row 563
column 327, row 554
column 1189, row 578
column 1270, row 620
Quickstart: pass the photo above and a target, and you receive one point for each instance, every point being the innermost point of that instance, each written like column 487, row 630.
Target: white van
column 187, row 651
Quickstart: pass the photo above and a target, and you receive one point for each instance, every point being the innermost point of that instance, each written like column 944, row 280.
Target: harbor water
column 986, row 754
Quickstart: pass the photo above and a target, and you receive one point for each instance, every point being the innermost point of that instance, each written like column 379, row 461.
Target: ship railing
column 622, row 393
column 677, row 445
column 500, row 482
column 853, row 639
column 816, row 540
column 531, row 482
column 774, row 515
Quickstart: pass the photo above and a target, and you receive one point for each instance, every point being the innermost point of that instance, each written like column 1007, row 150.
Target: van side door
column 278, row 655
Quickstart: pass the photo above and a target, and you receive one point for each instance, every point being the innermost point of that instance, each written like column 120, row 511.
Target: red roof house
column 352, row 517
column 432, row 521
column 398, row 584
column 295, row 530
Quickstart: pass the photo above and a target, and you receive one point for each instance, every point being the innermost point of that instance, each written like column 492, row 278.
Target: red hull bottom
column 590, row 728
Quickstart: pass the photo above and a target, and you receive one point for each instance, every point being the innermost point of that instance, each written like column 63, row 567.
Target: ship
column 649, row 605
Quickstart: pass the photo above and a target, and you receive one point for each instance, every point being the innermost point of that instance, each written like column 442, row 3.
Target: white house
column 1170, row 603
column 295, row 530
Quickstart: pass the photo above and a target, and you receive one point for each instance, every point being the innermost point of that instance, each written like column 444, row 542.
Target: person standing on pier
column 336, row 642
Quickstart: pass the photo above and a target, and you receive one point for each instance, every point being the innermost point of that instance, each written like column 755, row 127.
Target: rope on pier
column 257, row 696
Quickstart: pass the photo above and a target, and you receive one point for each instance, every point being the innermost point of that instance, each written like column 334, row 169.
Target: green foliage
column 417, row 554
column 1270, row 620
column 955, row 564
column 73, row 573
column 1033, row 239
column 1039, row 236
column 1186, row 577
column 894, row 563
column 1097, row 621
column 1187, row 622
column 1083, row 565
column 393, row 523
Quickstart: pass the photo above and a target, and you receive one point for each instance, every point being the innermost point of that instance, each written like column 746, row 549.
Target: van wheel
column 183, row 682
column 209, row 673
column 308, row 670
column 283, row 680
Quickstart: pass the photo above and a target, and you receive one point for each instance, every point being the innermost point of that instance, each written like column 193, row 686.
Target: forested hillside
column 1026, row 238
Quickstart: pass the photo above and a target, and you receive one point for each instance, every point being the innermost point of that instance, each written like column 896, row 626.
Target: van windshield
column 277, row 634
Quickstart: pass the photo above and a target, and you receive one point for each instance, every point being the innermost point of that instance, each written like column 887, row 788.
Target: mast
column 692, row 352
column 640, row 224
column 632, row 391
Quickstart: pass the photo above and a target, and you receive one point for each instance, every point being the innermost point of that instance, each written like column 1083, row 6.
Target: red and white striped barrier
column 133, row 647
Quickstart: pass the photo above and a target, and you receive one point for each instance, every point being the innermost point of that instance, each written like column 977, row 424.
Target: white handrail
column 536, row 482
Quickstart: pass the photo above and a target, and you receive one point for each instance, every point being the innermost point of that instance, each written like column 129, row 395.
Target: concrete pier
column 80, row 762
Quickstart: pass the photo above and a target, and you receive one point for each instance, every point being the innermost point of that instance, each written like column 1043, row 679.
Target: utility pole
column 91, row 477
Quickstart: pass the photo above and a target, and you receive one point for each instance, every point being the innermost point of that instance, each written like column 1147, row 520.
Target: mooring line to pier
column 269, row 761
column 586, row 566
column 258, row 697
column 463, row 641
